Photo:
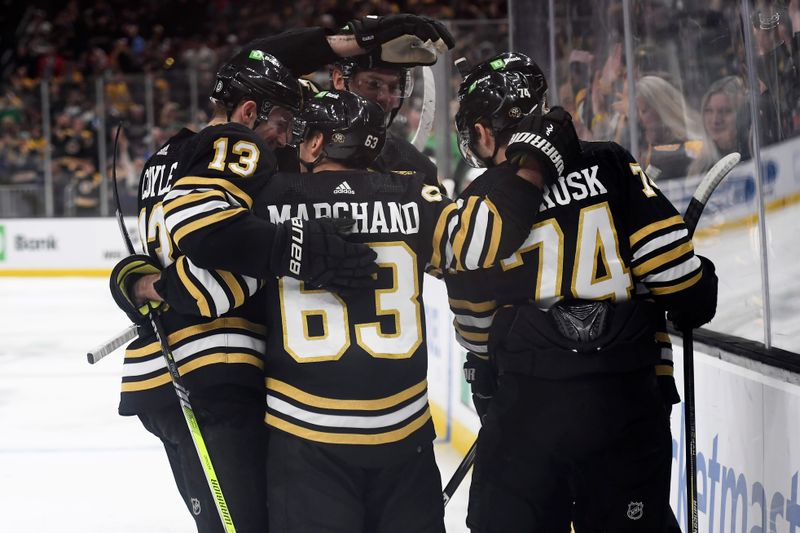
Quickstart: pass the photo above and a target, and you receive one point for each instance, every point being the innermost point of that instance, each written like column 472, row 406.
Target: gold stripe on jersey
column 191, row 182
column 497, row 230
column 470, row 335
column 191, row 365
column 664, row 370
column 662, row 259
column 197, row 294
column 439, row 232
column 663, row 336
column 654, row 227
column 185, row 333
column 349, row 438
column 677, row 288
column 206, row 221
column 191, row 198
column 313, row 400
column 234, row 286
column 475, row 307
column 463, row 230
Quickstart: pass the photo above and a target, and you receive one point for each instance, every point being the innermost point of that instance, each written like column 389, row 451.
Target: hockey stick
column 695, row 208
column 460, row 473
column 177, row 381
column 428, row 110
column 102, row 350
column 693, row 211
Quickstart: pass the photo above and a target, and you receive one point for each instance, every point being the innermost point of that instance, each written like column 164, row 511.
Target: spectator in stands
column 673, row 140
column 725, row 119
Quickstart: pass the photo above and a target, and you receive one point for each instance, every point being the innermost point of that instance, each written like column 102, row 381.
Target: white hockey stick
column 105, row 348
column 428, row 110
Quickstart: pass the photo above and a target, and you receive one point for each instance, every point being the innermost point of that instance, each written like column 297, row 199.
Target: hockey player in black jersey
column 378, row 73
column 350, row 447
column 195, row 200
column 572, row 324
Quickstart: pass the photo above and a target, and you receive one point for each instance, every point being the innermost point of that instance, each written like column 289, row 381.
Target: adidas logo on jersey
column 163, row 151
column 343, row 188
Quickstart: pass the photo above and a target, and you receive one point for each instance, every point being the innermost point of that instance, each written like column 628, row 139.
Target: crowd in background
column 155, row 61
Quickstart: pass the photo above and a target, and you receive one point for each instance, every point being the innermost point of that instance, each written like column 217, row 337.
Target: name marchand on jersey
column 370, row 217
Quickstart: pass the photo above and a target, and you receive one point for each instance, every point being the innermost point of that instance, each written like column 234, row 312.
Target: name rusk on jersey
column 576, row 185
column 369, row 217
column 155, row 175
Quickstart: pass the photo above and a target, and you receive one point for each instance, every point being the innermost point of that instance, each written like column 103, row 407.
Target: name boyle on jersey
column 369, row 217
column 577, row 185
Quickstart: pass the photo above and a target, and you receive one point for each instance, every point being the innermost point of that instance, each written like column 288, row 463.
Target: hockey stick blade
column 428, row 110
column 112, row 344
column 460, row 473
column 710, row 181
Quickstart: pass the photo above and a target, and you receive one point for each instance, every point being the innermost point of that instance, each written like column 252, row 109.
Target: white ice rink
column 68, row 461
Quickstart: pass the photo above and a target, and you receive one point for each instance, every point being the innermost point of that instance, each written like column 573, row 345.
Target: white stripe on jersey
column 479, row 228
column 678, row 271
column 226, row 340
column 474, row 322
column 344, row 422
column 252, row 284
column 179, row 215
column 221, row 301
column 447, row 260
column 471, row 347
column 660, row 242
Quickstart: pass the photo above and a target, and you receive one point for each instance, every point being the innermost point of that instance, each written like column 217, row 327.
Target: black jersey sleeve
column 301, row 50
column 400, row 155
column 663, row 255
column 207, row 211
column 191, row 290
column 477, row 231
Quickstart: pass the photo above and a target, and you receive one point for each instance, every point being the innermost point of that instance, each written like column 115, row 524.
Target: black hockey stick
column 461, row 471
column 177, row 381
column 695, row 208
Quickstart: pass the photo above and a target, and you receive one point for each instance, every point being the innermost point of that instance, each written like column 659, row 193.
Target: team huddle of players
column 285, row 245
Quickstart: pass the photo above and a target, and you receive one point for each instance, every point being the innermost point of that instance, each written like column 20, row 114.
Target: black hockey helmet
column 353, row 127
column 256, row 75
column 350, row 66
column 499, row 93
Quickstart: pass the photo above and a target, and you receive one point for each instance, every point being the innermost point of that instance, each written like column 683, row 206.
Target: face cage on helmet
column 465, row 147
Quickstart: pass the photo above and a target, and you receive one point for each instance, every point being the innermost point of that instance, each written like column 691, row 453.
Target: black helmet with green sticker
column 253, row 74
column 352, row 127
column 498, row 93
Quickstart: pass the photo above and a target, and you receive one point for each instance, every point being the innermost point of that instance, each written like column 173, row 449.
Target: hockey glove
column 123, row 277
column 315, row 251
column 551, row 139
column 702, row 309
column 402, row 39
column 480, row 375
column 666, row 385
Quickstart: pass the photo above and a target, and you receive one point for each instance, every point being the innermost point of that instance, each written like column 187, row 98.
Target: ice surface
column 68, row 461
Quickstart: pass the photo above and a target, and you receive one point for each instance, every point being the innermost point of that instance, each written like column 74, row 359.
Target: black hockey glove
column 123, row 276
column 702, row 309
column 397, row 38
column 551, row 139
column 315, row 251
column 480, row 375
column 666, row 385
